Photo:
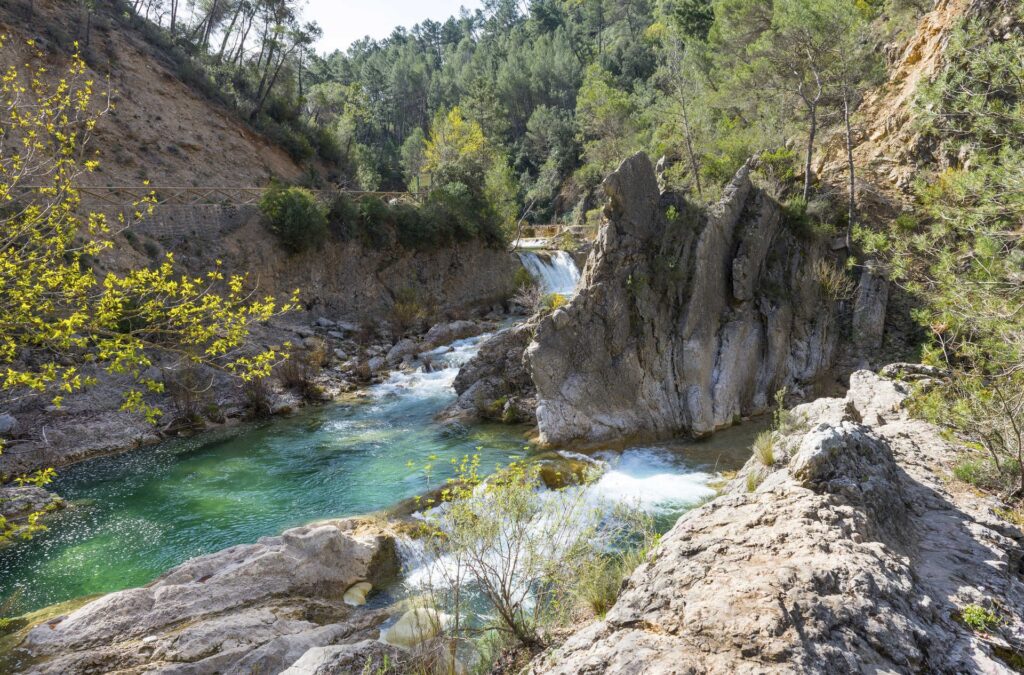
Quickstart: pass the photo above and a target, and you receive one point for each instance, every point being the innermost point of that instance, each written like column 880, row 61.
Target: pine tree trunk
column 694, row 165
column 851, row 216
column 813, row 110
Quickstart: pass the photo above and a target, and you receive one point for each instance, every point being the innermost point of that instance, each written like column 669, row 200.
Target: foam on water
column 653, row 479
column 422, row 383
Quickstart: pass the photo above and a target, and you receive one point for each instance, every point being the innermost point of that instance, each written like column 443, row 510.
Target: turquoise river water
column 134, row 516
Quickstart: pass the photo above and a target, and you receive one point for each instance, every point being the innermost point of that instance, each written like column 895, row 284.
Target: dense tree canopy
column 560, row 90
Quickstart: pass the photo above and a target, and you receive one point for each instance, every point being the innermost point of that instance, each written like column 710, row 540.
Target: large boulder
column 495, row 384
column 250, row 608
column 848, row 555
column 685, row 320
column 446, row 333
column 368, row 656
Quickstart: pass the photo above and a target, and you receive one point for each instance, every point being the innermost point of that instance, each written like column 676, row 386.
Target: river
column 136, row 515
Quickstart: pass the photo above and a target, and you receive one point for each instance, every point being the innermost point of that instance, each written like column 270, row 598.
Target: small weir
column 555, row 271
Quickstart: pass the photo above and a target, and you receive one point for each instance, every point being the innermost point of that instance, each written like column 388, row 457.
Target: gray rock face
column 8, row 425
column 250, row 608
column 495, row 384
column 684, row 321
column 850, row 556
column 869, row 310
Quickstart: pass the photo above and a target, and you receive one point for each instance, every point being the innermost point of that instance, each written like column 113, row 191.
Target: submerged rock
column 18, row 503
column 250, row 608
column 848, row 555
column 415, row 627
column 355, row 596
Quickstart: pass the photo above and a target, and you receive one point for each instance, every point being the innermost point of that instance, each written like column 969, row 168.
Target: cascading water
column 555, row 271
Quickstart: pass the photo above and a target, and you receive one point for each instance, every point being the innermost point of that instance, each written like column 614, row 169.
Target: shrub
column 408, row 311
column 530, row 297
column 296, row 217
column 374, row 228
column 415, row 229
column 553, row 301
column 256, row 393
column 523, row 550
column 984, row 413
column 300, row 370
column 189, row 389
column 978, row 618
column 343, row 217
column 523, row 278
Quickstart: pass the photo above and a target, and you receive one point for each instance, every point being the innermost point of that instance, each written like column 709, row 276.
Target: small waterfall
column 555, row 271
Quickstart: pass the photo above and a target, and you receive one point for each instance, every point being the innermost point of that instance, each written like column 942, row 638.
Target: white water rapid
column 555, row 271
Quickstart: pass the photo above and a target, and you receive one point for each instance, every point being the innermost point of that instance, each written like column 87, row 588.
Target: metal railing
column 122, row 195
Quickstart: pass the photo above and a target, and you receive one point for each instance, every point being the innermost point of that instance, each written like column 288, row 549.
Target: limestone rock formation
column 684, row 321
column 496, row 384
column 850, row 555
column 251, row 608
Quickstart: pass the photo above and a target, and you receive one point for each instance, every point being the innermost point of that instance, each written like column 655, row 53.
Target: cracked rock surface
column 851, row 555
column 685, row 320
column 251, row 608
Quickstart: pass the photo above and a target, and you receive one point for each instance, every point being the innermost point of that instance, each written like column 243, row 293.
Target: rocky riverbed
column 846, row 546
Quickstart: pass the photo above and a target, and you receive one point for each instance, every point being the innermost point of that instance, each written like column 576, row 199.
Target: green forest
column 526, row 106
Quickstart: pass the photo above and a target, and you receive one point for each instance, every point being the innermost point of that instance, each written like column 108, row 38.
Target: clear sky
column 345, row 21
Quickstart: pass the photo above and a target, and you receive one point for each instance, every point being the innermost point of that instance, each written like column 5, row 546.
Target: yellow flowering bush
column 57, row 313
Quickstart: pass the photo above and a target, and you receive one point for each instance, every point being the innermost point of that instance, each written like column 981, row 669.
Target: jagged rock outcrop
column 250, row 608
column 496, row 384
column 849, row 555
column 684, row 321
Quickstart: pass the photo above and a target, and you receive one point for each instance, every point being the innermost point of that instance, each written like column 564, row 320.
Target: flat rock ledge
column 255, row 608
column 849, row 554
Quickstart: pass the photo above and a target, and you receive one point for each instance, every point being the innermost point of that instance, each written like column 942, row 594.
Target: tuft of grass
column 764, row 447
column 834, row 280
column 753, row 480
column 601, row 581
column 1015, row 516
column 981, row 472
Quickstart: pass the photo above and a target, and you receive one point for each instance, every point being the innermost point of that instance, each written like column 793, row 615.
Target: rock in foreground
column 251, row 608
column 849, row 556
